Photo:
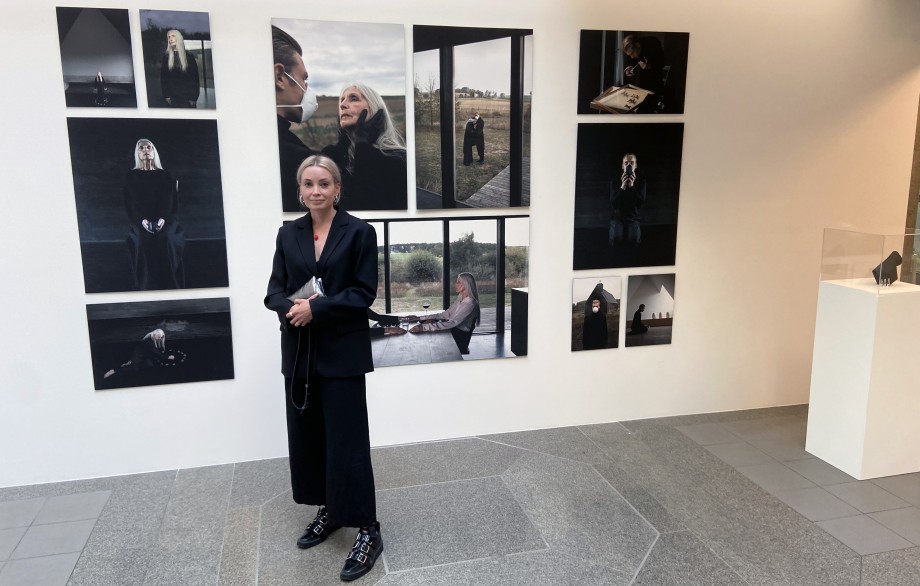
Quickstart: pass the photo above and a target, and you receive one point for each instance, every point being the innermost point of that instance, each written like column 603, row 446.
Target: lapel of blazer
column 305, row 243
column 336, row 234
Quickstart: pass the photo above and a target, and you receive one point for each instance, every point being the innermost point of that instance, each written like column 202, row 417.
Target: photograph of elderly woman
column 149, row 203
column 96, row 57
column 340, row 90
column 177, row 59
column 473, row 89
column 160, row 342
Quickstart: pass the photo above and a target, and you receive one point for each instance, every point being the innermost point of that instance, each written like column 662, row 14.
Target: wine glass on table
column 425, row 305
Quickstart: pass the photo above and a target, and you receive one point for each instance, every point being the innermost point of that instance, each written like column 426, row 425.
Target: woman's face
column 171, row 39
column 350, row 106
column 318, row 189
column 145, row 151
column 460, row 287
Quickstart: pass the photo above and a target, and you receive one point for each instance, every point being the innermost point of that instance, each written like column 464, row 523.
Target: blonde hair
column 180, row 51
column 327, row 164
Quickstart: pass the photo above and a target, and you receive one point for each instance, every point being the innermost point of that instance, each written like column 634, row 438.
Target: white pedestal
column 864, row 412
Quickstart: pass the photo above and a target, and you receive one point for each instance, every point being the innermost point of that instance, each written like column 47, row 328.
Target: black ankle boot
column 317, row 531
column 367, row 548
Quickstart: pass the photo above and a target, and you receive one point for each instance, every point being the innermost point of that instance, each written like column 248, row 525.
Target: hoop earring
column 336, row 199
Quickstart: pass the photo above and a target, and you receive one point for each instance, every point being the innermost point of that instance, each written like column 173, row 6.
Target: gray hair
column 156, row 154
column 180, row 50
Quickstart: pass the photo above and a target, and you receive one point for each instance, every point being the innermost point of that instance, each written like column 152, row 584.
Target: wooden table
column 395, row 350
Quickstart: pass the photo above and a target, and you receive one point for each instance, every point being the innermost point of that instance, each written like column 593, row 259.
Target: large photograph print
column 177, row 59
column 649, row 309
column 160, row 342
column 149, row 203
column 96, row 57
column 596, row 313
column 632, row 72
column 627, row 186
column 451, row 289
column 472, row 90
column 340, row 90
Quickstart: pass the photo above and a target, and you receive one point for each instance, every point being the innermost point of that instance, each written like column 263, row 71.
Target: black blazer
column 339, row 339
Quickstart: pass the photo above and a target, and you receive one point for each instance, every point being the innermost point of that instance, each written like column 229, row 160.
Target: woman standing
column 179, row 74
column 325, row 353
column 370, row 152
column 155, row 240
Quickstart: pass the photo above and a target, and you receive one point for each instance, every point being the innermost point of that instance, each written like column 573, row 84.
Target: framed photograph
column 96, row 57
column 160, row 342
column 340, row 90
column 632, row 72
column 178, row 67
column 149, row 203
column 473, row 89
column 596, row 313
column 649, row 309
column 627, row 187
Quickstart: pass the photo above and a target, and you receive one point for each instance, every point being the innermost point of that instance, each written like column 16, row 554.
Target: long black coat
column 339, row 337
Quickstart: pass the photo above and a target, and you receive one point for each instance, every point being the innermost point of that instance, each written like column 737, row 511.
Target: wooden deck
column 497, row 192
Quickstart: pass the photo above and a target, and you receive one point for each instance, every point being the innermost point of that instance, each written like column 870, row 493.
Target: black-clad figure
column 645, row 61
column 156, row 241
column 594, row 330
column 179, row 74
column 627, row 196
column 473, row 135
column 637, row 327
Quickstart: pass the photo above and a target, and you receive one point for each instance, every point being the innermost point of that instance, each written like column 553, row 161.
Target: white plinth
column 864, row 412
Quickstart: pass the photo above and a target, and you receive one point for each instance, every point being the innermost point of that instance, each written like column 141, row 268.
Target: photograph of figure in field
column 340, row 89
column 627, row 186
column 649, row 309
column 96, row 57
column 473, row 89
column 447, row 289
column 149, row 203
column 160, row 342
column 596, row 313
column 632, row 72
column 177, row 59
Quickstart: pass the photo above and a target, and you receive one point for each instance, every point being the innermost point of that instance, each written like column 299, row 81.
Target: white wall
column 800, row 115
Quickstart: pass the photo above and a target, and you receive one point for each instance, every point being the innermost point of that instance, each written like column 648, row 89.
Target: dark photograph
column 596, row 313
column 632, row 72
column 473, row 89
column 96, row 57
column 450, row 289
column 627, row 183
column 149, row 203
column 160, row 342
column 649, row 309
column 177, row 59
column 346, row 100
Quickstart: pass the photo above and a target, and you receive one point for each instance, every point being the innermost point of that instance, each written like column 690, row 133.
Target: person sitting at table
column 387, row 325
column 460, row 318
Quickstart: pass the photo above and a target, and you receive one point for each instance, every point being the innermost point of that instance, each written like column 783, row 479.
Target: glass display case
column 874, row 262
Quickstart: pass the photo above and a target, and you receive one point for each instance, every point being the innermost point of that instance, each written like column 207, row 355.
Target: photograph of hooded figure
column 596, row 313
column 650, row 302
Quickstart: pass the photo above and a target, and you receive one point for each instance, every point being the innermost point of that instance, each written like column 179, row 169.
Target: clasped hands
column 151, row 227
column 300, row 314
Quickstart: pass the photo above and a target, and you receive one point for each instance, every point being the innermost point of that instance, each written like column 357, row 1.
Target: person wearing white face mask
column 295, row 103
column 594, row 330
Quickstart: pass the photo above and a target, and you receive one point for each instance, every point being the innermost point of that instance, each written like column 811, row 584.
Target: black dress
column 181, row 87
column 156, row 258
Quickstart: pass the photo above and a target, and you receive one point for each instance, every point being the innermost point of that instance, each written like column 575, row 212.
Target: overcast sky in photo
column 480, row 66
column 581, row 288
column 517, row 231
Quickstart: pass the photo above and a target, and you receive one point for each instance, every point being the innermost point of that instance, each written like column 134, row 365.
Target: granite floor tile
column 775, row 477
column 192, row 532
column 124, row 540
column 9, row 539
column 579, row 513
column 759, row 537
column 707, row 434
column 819, row 471
column 680, row 559
column 565, row 442
column 19, row 513
column 1, row 567
column 602, row 433
column 72, row 507
column 800, row 411
column 752, row 429
column 892, row 568
column 904, row 522
column 816, row 504
column 431, row 462
column 864, row 535
column 653, row 511
column 239, row 555
column 782, row 449
column 540, row 568
column 53, row 539
column 739, row 454
column 867, row 497
column 281, row 563
column 451, row 522
column 53, row 570
column 905, row 486
column 257, row 482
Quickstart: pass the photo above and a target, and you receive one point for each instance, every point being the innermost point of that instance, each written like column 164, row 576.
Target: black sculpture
column 887, row 273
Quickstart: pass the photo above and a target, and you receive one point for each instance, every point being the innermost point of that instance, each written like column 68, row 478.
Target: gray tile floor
column 714, row 499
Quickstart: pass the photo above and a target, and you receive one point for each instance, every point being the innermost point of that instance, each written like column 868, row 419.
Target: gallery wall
column 797, row 116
